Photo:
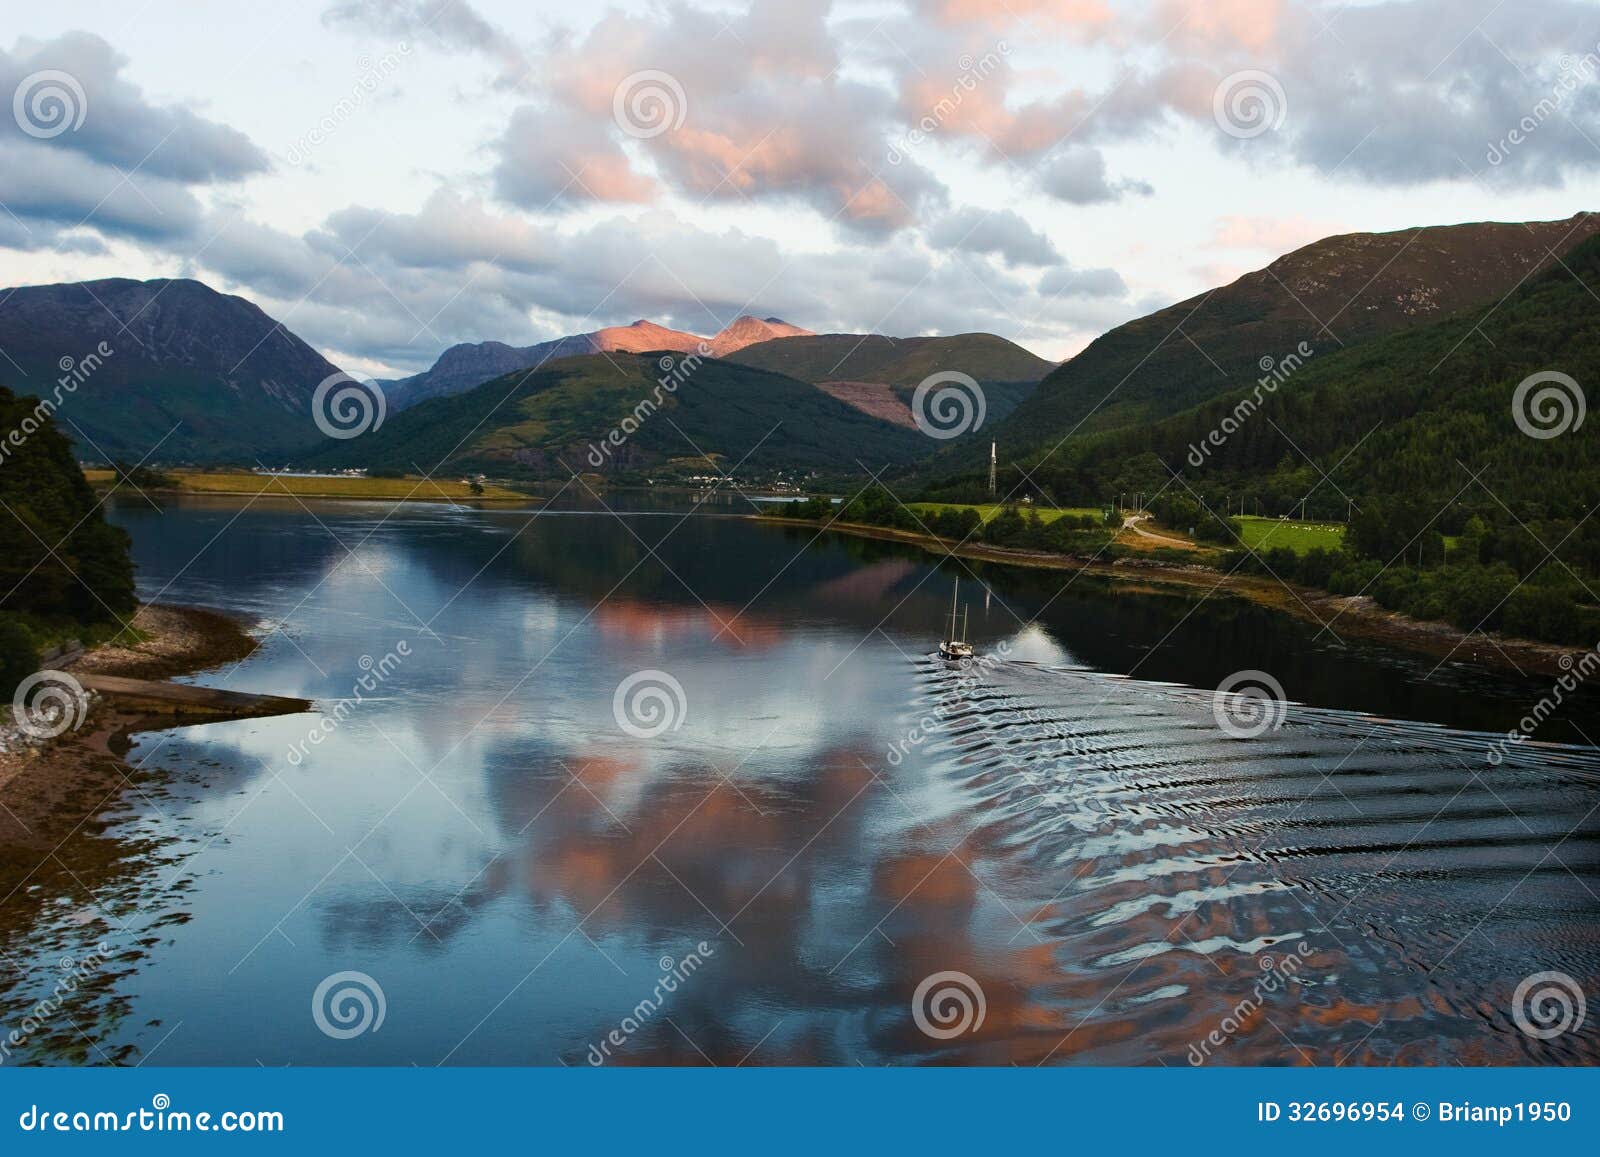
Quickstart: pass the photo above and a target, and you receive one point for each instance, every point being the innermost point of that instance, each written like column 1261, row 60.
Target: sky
column 390, row 177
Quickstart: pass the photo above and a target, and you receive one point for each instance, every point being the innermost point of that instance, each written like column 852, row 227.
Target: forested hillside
column 63, row 567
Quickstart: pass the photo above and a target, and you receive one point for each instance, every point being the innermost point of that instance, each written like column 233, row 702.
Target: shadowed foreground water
column 1077, row 866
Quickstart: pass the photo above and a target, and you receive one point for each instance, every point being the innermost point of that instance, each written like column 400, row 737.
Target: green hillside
column 901, row 362
column 1333, row 294
column 1412, row 416
column 540, row 424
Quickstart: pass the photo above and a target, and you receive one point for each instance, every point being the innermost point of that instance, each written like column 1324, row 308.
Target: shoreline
column 1355, row 615
column 248, row 484
column 52, row 791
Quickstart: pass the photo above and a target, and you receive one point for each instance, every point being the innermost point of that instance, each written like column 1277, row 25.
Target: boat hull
column 954, row 652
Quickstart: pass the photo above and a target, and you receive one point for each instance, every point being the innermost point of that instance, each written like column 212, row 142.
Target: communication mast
column 991, row 470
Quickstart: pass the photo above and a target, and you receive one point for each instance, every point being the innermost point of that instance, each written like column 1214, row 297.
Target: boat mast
column 955, row 594
column 964, row 611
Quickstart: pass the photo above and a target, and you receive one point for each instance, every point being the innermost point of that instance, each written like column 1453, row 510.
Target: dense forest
column 64, row 569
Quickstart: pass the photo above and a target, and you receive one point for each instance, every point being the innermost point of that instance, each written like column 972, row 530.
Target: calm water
column 797, row 872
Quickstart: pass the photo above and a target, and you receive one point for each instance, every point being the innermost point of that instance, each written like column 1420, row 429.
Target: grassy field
column 988, row 511
column 1300, row 537
column 244, row 482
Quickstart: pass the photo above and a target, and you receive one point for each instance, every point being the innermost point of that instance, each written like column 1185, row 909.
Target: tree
column 62, row 561
column 18, row 656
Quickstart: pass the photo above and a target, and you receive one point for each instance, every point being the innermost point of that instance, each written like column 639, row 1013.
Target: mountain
column 204, row 375
column 748, row 331
column 549, row 421
column 462, row 367
column 879, row 375
column 895, row 361
column 1459, row 450
column 1428, row 415
column 1330, row 294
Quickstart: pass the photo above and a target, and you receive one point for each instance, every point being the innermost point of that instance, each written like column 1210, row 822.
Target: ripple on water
column 1344, row 888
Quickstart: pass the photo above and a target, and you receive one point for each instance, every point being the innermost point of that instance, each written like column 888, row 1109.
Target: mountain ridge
column 469, row 364
column 618, row 414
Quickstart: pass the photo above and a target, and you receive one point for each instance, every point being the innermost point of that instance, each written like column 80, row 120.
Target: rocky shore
column 50, row 787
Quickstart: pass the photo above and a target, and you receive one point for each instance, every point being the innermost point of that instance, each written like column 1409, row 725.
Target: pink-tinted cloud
column 548, row 162
column 1275, row 235
column 1220, row 27
column 1087, row 18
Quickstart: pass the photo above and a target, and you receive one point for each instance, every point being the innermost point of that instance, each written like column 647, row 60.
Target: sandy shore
column 1347, row 616
column 50, row 792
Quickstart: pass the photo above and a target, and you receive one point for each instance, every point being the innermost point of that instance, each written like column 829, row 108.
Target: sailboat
column 954, row 649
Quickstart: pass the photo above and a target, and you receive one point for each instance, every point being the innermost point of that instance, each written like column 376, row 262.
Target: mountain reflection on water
column 1092, row 861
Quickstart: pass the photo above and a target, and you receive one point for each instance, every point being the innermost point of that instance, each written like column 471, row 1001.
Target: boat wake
column 1145, row 872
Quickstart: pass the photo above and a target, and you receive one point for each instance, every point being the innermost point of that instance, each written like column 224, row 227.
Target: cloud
column 119, row 128
column 551, row 161
column 1077, row 175
column 1275, row 235
column 1000, row 232
column 1406, row 92
column 398, row 288
column 1069, row 282
column 1086, row 19
column 713, row 107
column 24, row 237
column 1217, row 26
column 67, row 189
column 453, row 25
